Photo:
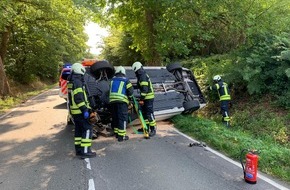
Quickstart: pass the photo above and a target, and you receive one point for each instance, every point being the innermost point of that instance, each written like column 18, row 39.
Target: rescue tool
column 250, row 168
column 140, row 117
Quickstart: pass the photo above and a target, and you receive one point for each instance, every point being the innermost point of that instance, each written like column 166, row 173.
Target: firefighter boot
column 152, row 131
column 87, row 153
column 122, row 138
column 78, row 149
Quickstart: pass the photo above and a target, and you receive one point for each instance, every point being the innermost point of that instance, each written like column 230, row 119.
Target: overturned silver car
column 176, row 92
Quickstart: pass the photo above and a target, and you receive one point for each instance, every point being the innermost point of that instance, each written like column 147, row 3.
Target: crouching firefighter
column 121, row 92
column 80, row 111
column 225, row 97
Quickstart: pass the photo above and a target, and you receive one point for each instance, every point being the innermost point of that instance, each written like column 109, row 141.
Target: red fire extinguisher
column 250, row 169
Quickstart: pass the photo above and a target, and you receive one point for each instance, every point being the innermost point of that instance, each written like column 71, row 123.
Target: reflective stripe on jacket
column 223, row 90
column 78, row 96
column 145, row 85
column 121, row 88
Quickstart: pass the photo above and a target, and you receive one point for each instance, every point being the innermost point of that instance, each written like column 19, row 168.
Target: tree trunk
column 4, row 84
column 154, row 56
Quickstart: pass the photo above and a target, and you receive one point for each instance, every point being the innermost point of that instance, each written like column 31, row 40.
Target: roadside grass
column 274, row 157
column 21, row 93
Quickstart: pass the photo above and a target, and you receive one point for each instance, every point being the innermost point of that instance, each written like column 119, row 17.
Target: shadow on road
column 43, row 162
column 61, row 106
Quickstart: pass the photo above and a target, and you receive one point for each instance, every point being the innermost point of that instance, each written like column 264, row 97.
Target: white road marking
column 88, row 163
column 235, row 163
column 91, row 181
column 14, row 109
column 91, row 184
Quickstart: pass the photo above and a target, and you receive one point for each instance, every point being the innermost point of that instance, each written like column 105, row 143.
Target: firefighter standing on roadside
column 121, row 91
column 147, row 97
column 80, row 111
column 225, row 97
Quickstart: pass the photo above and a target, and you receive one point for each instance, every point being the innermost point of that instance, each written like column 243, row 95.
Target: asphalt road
column 37, row 152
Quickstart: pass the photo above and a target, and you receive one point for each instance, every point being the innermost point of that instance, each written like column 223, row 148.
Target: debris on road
column 200, row 144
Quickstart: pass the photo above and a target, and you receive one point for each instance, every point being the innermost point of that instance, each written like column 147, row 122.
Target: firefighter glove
column 141, row 102
column 86, row 114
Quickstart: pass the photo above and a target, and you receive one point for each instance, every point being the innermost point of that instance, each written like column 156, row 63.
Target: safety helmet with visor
column 217, row 78
column 120, row 69
column 136, row 66
column 78, row 68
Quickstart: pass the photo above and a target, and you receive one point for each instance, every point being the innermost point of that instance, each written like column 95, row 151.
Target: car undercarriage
column 175, row 87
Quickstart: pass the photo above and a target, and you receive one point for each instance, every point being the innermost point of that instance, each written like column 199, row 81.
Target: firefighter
column 225, row 97
column 80, row 111
column 147, row 97
column 121, row 92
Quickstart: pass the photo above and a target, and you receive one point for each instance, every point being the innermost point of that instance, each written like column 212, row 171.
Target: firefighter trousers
column 148, row 113
column 119, row 117
column 225, row 111
column 83, row 134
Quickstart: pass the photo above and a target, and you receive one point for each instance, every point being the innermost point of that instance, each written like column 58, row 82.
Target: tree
column 37, row 35
column 118, row 49
column 137, row 18
column 167, row 30
column 6, row 16
column 4, row 85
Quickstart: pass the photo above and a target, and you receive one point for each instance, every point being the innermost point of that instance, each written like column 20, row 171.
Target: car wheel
column 173, row 67
column 191, row 106
column 176, row 70
column 99, row 66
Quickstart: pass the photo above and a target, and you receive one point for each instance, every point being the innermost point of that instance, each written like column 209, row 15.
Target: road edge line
column 261, row 176
column 18, row 106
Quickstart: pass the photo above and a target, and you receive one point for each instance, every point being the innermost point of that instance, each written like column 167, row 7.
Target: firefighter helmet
column 136, row 66
column 78, row 68
column 120, row 69
column 217, row 78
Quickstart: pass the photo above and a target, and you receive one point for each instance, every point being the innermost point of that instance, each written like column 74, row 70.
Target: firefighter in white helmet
column 224, row 94
column 147, row 97
column 80, row 111
column 121, row 92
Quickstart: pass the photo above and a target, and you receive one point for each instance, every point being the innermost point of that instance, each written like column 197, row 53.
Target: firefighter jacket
column 145, row 85
column 78, row 101
column 121, row 89
column 222, row 89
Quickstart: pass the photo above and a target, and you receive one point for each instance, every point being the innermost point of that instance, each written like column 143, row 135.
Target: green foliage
column 264, row 66
column 43, row 33
column 23, row 93
column 258, row 69
column 170, row 30
column 118, row 49
column 274, row 159
column 261, row 122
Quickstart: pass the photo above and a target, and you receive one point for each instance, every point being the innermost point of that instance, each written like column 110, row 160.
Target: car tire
column 176, row 70
column 173, row 67
column 191, row 106
column 98, row 66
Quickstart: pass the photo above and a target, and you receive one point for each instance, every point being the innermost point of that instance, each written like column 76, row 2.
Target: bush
column 257, row 69
column 264, row 67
